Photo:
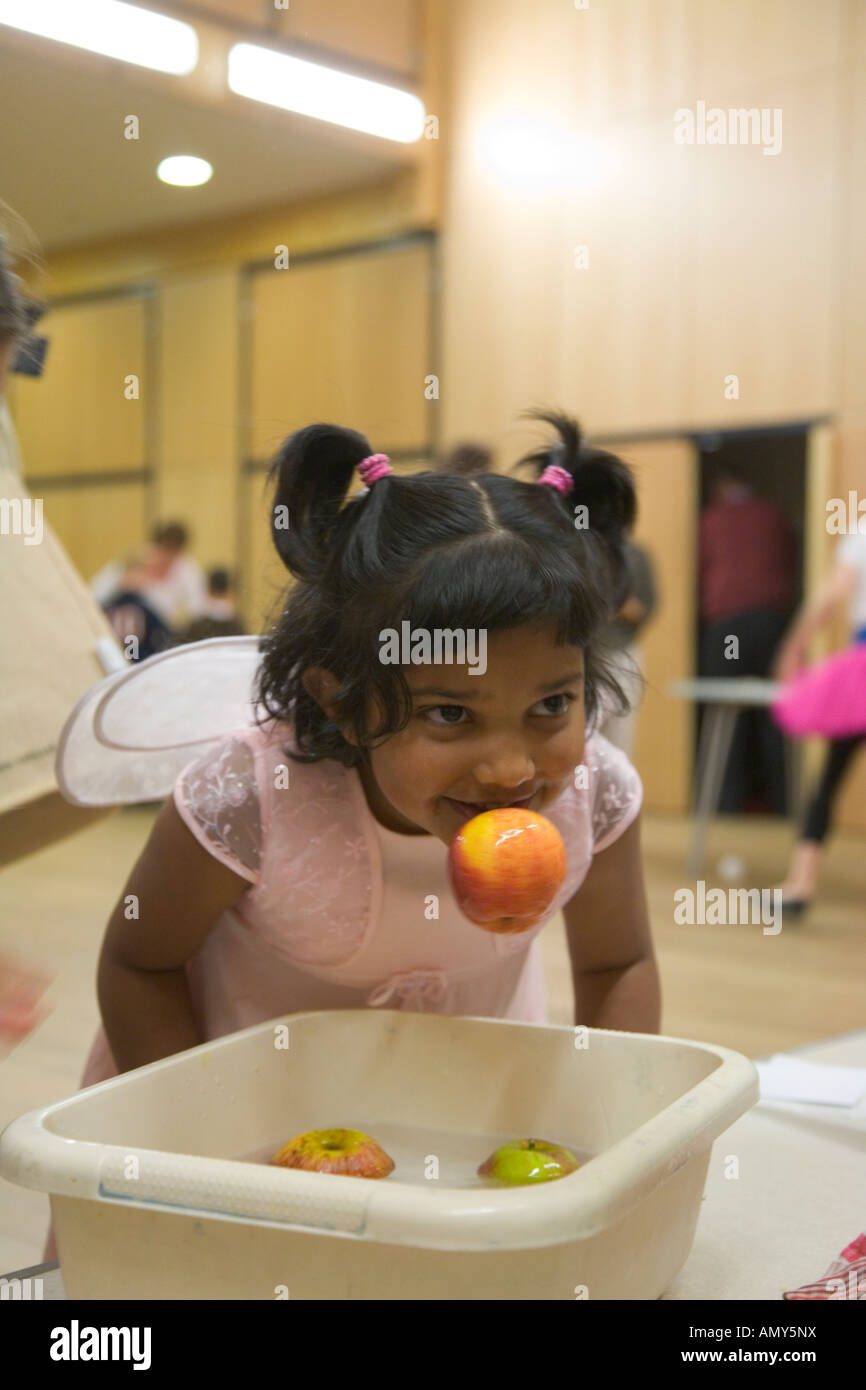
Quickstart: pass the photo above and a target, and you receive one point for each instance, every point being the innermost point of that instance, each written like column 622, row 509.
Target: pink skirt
column 829, row 699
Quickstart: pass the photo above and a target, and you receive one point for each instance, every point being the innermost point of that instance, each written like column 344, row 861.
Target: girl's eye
column 546, row 713
column 563, row 696
column 434, row 709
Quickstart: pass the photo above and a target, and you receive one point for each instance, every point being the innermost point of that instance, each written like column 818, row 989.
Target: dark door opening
column 750, row 578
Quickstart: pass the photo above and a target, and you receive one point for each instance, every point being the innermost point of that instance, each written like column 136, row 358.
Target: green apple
column 528, row 1160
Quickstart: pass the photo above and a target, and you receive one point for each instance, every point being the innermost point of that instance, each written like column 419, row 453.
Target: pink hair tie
column 376, row 466
column 559, row 478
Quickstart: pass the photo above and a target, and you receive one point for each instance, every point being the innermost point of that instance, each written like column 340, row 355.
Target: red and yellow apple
column 506, row 867
column 528, row 1160
column 344, row 1151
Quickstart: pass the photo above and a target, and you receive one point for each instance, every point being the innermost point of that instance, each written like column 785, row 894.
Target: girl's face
column 513, row 734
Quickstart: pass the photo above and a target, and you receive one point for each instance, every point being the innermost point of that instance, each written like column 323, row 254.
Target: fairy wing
column 130, row 735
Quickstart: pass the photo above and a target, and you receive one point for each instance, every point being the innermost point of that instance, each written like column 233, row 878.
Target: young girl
column 294, row 866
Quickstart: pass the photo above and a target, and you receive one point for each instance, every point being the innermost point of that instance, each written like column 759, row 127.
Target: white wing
column 131, row 734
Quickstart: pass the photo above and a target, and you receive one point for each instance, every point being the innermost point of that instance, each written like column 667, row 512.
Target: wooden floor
column 730, row 985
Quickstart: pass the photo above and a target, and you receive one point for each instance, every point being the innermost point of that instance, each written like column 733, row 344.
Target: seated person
column 220, row 617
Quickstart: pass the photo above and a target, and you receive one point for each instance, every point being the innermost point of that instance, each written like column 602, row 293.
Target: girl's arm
column 613, row 968
column 835, row 591
column 178, row 892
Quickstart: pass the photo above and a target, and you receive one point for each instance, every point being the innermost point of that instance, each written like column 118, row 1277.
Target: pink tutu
column 829, row 699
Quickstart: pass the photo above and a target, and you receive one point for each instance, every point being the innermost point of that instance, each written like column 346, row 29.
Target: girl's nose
column 506, row 770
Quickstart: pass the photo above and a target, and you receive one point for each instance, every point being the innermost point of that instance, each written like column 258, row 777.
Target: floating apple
column 345, row 1151
column 506, row 867
column 528, row 1160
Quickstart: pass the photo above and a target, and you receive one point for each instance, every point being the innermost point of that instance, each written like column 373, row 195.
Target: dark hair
column 219, row 581
column 18, row 312
column 467, row 458
column 172, row 534
column 441, row 551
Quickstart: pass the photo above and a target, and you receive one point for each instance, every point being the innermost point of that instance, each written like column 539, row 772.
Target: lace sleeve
column 217, row 797
column 617, row 792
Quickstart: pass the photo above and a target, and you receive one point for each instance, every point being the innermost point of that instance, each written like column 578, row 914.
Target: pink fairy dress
column 340, row 912
column 829, row 699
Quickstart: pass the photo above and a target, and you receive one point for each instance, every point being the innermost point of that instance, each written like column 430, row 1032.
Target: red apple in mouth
column 506, row 867
column 344, row 1151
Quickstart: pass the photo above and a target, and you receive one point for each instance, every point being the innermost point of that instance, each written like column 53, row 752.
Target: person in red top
column 747, row 568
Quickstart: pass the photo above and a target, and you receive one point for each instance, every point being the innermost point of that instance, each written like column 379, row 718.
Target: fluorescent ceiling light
column 109, row 27
column 186, row 170
column 328, row 95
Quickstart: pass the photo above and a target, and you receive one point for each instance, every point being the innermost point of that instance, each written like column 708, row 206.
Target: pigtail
column 313, row 472
column 602, row 482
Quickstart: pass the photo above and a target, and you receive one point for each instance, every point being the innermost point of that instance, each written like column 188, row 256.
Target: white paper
column 786, row 1078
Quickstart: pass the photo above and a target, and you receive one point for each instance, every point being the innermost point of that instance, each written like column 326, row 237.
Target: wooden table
column 725, row 699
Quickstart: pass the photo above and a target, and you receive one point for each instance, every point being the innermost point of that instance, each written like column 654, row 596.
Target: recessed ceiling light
column 324, row 93
column 186, row 170
column 108, row 27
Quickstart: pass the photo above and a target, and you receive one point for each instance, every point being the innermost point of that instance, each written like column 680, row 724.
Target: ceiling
column 67, row 169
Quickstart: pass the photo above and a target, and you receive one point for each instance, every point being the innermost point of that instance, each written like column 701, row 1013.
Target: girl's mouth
column 467, row 809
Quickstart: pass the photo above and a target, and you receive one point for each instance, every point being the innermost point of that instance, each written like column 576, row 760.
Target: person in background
column 220, row 618
column 171, row 584
column 834, row 701
column 467, row 458
column 620, row 639
column 746, row 576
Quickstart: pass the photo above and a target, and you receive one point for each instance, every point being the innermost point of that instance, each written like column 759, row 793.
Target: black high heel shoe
column 795, row 908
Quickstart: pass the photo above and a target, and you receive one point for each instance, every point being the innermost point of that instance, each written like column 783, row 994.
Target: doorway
column 751, row 467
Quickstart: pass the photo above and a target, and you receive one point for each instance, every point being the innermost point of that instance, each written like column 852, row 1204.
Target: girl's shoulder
column 606, row 792
column 225, row 795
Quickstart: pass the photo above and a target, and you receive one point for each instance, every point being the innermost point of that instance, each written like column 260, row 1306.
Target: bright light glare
column 525, row 153
column 108, row 27
column 187, row 170
column 312, row 90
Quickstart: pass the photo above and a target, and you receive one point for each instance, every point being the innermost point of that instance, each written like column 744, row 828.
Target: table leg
column 717, row 732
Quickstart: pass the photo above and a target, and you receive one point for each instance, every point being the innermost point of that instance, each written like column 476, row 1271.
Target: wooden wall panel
column 346, row 339
column 98, row 524
column 666, row 473
column 758, row 219
column 198, row 452
column 76, row 418
column 703, row 260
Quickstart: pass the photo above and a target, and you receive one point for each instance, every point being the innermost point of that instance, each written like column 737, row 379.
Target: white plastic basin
column 153, row 1194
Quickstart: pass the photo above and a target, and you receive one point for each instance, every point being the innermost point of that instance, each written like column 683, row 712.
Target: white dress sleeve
column 217, row 796
column 615, row 789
